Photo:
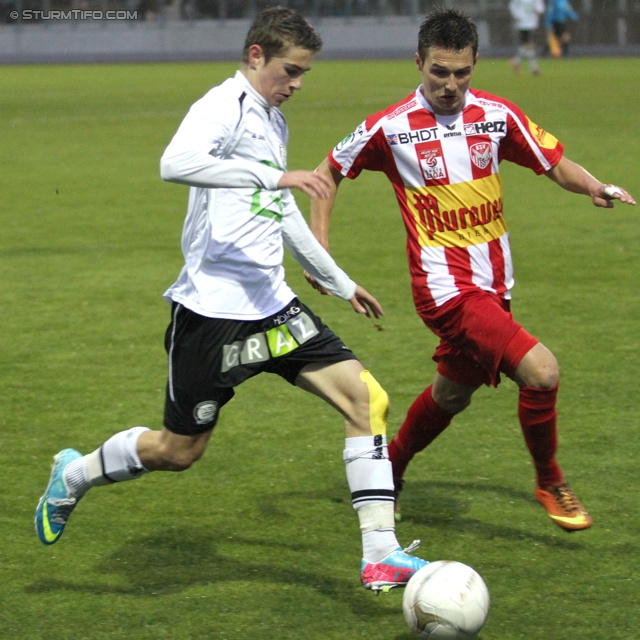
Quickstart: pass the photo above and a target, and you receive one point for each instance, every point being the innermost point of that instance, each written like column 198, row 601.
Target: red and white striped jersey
column 445, row 173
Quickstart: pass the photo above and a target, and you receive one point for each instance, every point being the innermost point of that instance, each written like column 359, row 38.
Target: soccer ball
column 446, row 600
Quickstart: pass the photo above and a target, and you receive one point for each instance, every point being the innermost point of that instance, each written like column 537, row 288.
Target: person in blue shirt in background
column 558, row 13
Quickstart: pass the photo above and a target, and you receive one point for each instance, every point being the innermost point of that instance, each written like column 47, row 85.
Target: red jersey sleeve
column 528, row 144
column 367, row 147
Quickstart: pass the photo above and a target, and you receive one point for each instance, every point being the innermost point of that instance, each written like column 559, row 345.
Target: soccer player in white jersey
column 234, row 316
column 526, row 18
column 440, row 148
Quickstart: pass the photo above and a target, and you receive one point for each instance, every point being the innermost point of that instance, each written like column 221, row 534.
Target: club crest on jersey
column 432, row 164
column 481, row 154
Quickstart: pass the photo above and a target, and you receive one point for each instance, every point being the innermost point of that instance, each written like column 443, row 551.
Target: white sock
column 115, row 461
column 370, row 480
column 377, row 545
column 369, row 471
column 378, row 531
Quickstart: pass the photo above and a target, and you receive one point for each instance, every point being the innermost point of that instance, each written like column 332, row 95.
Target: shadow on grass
column 180, row 558
column 444, row 505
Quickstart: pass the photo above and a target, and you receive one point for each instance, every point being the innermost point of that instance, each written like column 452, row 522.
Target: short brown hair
column 277, row 28
column 448, row 29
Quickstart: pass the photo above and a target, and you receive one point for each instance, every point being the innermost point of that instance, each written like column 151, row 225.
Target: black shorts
column 526, row 36
column 208, row 357
column 559, row 29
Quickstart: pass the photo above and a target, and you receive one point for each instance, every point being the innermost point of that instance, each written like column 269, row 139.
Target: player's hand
column 315, row 284
column 363, row 302
column 611, row 192
column 313, row 184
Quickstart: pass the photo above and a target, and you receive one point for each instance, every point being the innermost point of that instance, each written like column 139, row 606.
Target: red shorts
column 478, row 339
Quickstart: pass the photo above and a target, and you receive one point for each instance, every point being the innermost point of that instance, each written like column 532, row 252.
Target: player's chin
column 452, row 105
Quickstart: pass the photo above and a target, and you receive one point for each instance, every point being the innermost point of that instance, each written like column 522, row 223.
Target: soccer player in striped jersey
column 441, row 148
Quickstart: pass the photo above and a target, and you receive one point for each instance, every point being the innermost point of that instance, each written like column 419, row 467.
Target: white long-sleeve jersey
column 231, row 150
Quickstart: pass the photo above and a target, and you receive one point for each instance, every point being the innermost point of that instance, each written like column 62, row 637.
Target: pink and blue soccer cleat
column 392, row 572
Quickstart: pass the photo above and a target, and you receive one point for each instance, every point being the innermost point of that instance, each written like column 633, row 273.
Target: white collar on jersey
column 243, row 80
column 424, row 103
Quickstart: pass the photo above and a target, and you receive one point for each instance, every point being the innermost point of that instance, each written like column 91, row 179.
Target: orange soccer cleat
column 563, row 507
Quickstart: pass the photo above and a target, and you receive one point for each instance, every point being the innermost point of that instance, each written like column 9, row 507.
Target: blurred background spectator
column 559, row 13
column 526, row 19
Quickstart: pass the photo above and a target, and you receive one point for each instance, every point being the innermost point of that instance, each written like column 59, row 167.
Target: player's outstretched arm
column 315, row 185
column 572, row 177
column 320, row 210
column 363, row 302
column 320, row 214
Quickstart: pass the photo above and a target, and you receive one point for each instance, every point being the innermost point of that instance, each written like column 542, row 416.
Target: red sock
column 425, row 421
column 538, row 419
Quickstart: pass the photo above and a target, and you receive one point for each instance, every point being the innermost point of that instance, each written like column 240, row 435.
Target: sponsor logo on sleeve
column 345, row 141
column 544, row 139
column 350, row 138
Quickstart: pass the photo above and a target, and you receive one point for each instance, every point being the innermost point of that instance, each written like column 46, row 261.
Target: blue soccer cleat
column 57, row 503
column 394, row 571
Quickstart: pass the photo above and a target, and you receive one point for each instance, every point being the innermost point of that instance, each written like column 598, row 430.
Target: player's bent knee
column 182, row 463
column 455, row 404
column 538, row 369
column 171, row 461
column 546, row 379
column 550, row 375
column 180, row 458
column 452, row 401
column 544, row 376
column 378, row 404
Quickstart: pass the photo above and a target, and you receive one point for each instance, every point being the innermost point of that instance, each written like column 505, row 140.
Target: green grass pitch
column 258, row 539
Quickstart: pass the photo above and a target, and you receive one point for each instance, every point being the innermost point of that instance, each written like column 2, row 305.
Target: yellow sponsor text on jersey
column 458, row 215
column 543, row 138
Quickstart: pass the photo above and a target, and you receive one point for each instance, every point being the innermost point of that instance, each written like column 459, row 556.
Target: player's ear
column 419, row 62
column 255, row 55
